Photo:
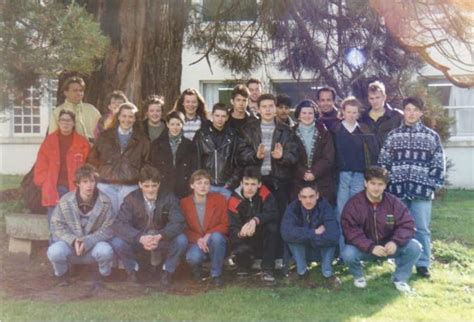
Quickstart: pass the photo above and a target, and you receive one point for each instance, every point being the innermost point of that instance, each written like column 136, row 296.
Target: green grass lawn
column 10, row 181
column 448, row 296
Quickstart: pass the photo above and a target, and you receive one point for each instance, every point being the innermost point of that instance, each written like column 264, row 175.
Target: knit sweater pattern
column 415, row 158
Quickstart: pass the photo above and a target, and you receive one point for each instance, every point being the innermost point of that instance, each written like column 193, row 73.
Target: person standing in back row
column 414, row 156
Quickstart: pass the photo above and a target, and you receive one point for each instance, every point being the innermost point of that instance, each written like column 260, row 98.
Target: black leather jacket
column 251, row 137
column 220, row 161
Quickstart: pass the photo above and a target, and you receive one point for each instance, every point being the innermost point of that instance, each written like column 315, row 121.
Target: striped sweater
column 415, row 158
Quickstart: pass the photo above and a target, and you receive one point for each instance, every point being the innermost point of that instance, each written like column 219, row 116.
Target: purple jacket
column 366, row 227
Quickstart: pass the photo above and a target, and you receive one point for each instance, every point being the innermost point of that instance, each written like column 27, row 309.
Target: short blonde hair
column 377, row 86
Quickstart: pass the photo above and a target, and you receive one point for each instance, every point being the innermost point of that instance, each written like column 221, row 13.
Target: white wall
column 17, row 155
column 461, row 153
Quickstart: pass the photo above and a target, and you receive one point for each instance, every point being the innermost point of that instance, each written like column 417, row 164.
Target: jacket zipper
column 374, row 212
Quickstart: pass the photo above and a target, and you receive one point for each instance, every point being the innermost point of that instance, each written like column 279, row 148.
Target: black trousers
column 263, row 244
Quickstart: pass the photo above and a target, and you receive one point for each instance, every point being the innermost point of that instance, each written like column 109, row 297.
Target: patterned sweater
column 415, row 158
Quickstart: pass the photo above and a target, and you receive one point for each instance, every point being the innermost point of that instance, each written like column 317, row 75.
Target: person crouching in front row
column 207, row 226
column 150, row 225
column 81, row 225
column 311, row 231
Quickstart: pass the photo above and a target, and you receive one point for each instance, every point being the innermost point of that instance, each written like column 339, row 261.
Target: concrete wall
column 17, row 155
column 461, row 153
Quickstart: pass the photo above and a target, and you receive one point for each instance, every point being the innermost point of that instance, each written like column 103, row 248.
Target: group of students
column 246, row 182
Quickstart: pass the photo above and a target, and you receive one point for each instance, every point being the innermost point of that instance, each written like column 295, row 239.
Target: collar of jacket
column 415, row 127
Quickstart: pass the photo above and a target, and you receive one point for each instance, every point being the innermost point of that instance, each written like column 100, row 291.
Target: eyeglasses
column 66, row 120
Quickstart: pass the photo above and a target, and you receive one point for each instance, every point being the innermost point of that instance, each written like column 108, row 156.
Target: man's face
column 219, row 118
column 239, row 103
column 126, row 119
column 174, row 126
column 250, row 186
column 86, row 187
column 325, row 102
column 283, row 112
column 374, row 188
column 377, row 100
column 411, row 114
column 149, row 189
column 201, row 186
column 308, row 198
column 74, row 93
column 154, row 113
column 255, row 91
column 115, row 105
column 267, row 110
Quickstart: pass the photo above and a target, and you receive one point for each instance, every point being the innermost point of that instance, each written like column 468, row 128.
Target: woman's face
column 154, row 113
column 175, row 126
column 306, row 115
column 66, row 124
column 190, row 104
column 126, row 119
column 350, row 113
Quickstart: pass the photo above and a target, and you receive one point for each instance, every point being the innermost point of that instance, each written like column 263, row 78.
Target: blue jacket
column 298, row 224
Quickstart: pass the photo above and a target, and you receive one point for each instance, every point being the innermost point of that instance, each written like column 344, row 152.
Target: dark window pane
column 27, row 120
column 36, row 129
column 296, row 91
column 17, row 129
column 36, row 120
column 36, row 111
column 27, row 111
column 17, row 111
column 27, row 129
column 17, row 120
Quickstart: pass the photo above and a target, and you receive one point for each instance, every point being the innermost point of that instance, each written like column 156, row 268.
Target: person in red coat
column 207, row 226
column 59, row 156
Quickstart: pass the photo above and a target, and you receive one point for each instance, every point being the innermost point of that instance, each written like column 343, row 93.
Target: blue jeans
column 421, row 213
column 405, row 258
column 223, row 191
column 304, row 253
column 217, row 247
column 173, row 249
column 62, row 190
column 116, row 193
column 350, row 183
column 60, row 254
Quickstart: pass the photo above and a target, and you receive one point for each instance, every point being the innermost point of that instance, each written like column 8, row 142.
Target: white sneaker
column 402, row 287
column 360, row 282
column 257, row 264
column 279, row 263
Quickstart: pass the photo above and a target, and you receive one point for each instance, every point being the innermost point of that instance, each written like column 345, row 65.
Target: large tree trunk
column 145, row 53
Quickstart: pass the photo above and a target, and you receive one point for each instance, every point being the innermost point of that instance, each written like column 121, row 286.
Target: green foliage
column 44, row 38
column 453, row 253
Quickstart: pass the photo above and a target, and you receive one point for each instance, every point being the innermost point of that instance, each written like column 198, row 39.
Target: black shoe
column 132, row 277
column 267, row 276
column 333, row 281
column 63, row 280
column 196, row 273
column 243, row 271
column 165, row 279
column 423, row 271
column 217, row 281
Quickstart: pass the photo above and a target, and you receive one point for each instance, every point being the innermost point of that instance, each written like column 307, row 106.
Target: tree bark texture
column 145, row 53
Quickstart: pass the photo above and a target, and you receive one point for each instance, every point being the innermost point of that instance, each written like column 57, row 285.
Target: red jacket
column 215, row 219
column 47, row 165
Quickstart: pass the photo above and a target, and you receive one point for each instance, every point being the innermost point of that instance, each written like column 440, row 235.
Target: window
column 229, row 10
column 217, row 92
column 26, row 112
column 297, row 91
column 460, row 105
